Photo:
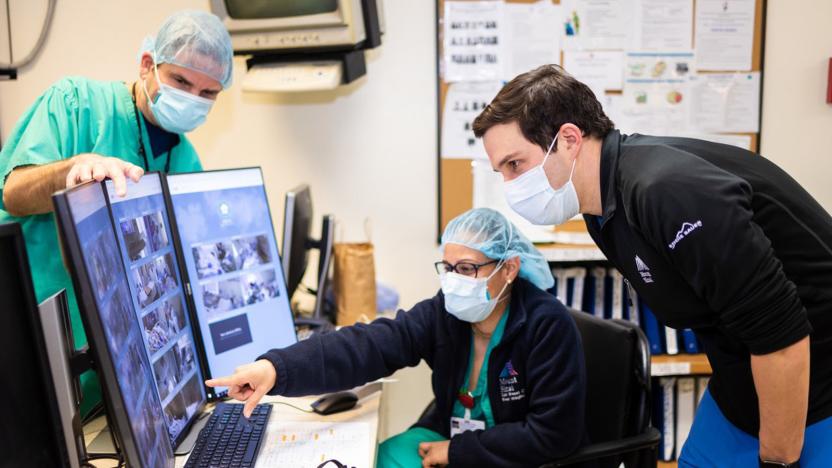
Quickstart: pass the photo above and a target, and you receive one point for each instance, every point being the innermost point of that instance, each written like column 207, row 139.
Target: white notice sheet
column 473, row 37
column 533, row 37
column 724, row 34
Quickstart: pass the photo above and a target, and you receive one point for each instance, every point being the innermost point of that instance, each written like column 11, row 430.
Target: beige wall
column 797, row 122
column 367, row 151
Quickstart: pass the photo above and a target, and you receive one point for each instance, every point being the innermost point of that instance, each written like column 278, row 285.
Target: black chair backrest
column 617, row 359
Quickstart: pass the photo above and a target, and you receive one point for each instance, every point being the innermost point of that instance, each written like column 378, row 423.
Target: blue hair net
column 195, row 40
column 497, row 238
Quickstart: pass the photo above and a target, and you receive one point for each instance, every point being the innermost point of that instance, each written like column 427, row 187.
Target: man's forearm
column 28, row 190
column 782, row 382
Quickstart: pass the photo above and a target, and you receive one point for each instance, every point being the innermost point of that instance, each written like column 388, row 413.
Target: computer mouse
column 335, row 403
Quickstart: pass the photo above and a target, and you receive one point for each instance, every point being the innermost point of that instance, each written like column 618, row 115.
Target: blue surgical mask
column 175, row 110
column 467, row 298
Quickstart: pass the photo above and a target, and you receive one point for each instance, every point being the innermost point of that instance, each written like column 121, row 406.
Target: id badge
column 460, row 425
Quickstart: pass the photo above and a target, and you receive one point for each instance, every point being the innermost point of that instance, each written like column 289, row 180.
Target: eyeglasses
column 463, row 268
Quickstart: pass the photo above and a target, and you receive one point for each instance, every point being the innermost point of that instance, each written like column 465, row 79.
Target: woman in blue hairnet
column 508, row 370
column 81, row 129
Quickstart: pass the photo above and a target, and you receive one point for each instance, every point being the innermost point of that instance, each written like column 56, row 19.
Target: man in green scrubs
column 81, row 129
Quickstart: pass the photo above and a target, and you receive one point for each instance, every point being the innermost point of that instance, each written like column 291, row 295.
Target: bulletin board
column 457, row 179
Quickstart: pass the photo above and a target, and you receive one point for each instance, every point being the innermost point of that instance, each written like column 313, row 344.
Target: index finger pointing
column 220, row 382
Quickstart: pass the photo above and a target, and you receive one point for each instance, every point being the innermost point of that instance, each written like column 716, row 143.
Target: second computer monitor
column 227, row 240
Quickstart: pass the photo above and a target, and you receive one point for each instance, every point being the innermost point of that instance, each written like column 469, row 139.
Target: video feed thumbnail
column 144, row 235
column 222, row 296
column 259, row 286
column 172, row 368
column 184, row 405
column 154, row 279
column 230, row 255
column 103, row 258
column 117, row 317
column 163, row 324
column 214, row 259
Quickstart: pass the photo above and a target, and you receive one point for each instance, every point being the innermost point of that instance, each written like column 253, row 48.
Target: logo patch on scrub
column 687, row 228
column 510, row 387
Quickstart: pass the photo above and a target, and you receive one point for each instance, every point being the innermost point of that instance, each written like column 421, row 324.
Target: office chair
column 618, row 402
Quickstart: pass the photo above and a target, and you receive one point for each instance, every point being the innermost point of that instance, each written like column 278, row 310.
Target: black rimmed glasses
column 463, row 268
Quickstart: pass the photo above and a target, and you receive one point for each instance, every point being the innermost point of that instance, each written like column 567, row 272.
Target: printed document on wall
column 664, row 25
column 533, row 39
column 474, row 33
column 726, row 102
column 659, row 65
column 463, row 102
column 658, row 107
column 601, row 69
column 598, row 24
column 724, row 34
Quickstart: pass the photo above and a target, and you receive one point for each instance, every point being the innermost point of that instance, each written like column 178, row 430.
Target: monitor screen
column 30, row 434
column 116, row 325
column 230, row 251
column 266, row 9
column 156, row 292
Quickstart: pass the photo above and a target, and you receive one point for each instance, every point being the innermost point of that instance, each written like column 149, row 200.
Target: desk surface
column 366, row 411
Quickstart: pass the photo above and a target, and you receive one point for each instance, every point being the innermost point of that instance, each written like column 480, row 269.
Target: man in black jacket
column 712, row 237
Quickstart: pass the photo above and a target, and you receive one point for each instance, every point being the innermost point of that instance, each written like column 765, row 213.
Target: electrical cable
column 47, row 22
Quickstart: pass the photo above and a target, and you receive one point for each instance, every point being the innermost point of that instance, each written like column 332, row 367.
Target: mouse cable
column 291, row 406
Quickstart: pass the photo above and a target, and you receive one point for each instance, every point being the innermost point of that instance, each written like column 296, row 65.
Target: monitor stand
column 103, row 442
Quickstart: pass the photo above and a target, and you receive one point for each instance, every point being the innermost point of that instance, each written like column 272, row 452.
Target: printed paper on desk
column 598, row 24
column 532, row 39
column 726, row 102
column 664, row 25
column 724, row 34
column 473, row 37
column 463, row 102
column 601, row 68
column 291, row 444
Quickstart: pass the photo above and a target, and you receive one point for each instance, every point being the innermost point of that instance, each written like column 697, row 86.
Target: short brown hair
column 542, row 100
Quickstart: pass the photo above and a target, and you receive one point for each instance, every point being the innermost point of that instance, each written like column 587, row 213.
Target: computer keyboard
column 229, row 439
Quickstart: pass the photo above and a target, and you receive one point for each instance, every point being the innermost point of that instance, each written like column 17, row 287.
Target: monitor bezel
column 336, row 18
column 197, row 342
column 180, row 249
column 91, row 318
column 14, row 232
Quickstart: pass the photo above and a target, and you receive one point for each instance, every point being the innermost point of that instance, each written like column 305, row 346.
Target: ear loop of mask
column 549, row 151
column 503, row 262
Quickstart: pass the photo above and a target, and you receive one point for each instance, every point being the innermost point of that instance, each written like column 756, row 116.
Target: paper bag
column 355, row 283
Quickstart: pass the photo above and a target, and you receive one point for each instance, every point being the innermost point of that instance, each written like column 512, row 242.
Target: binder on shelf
column 651, row 328
column 685, row 408
column 608, row 300
column 664, row 406
column 690, row 342
column 575, row 287
column 617, row 294
column 701, row 386
column 561, row 285
column 599, row 279
column 671, row 341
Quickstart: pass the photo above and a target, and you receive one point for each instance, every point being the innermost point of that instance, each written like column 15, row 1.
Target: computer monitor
column 114, row 334
column 147, row 252
column 298, row 240
column 235, row 280
column 315, row 24
column 31, row 429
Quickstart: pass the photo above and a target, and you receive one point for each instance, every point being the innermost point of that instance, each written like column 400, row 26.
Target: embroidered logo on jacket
column 643, row 270
column 510, row 389
column 687, row 228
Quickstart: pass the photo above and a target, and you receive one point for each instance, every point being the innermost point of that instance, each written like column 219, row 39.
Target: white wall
column 797, row 122
column 368, row 150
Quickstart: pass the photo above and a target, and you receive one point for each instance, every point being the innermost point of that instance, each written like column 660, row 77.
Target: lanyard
column 142, row 151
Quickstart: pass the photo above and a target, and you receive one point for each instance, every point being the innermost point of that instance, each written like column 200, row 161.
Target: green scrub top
column 482, row 404
column 77, row 115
